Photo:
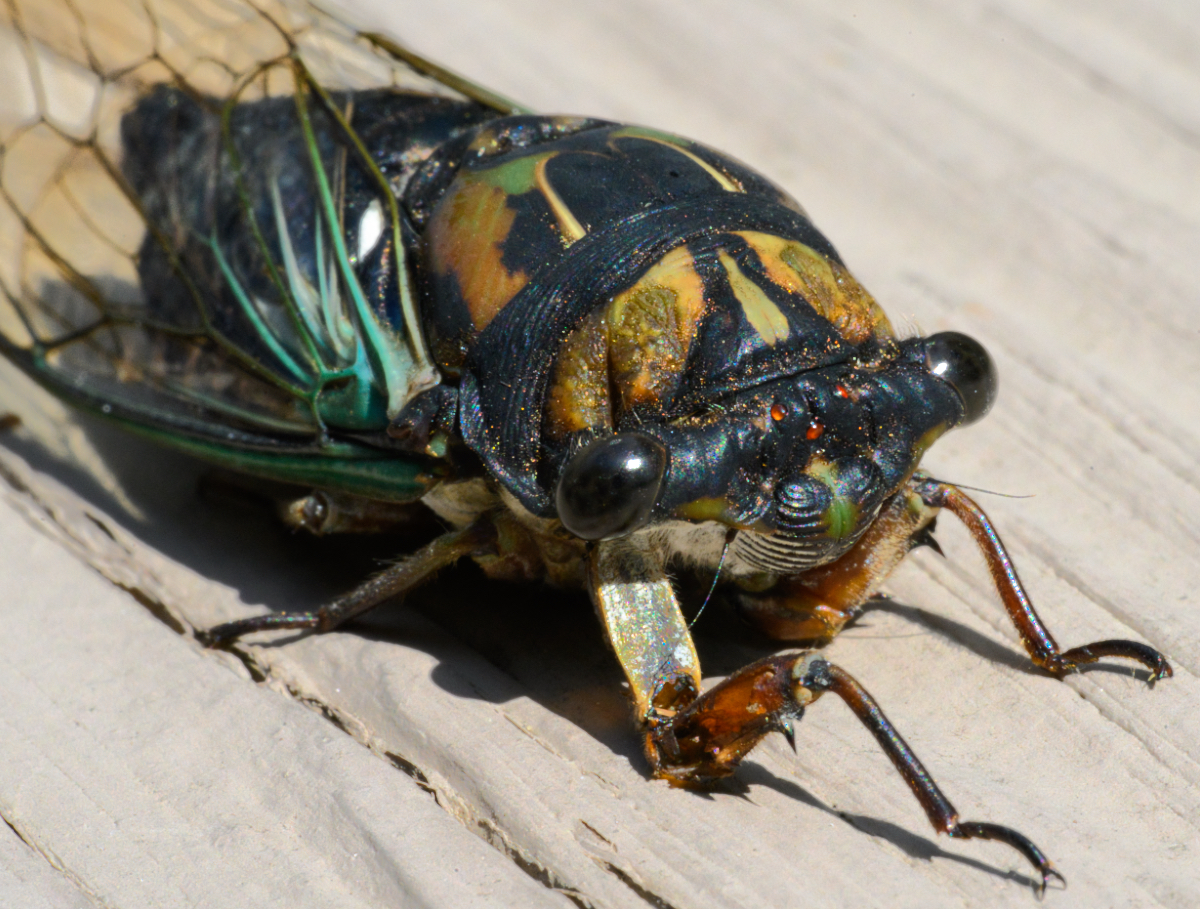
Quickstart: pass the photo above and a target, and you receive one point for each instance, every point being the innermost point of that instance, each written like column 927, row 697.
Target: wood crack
column 55, row 863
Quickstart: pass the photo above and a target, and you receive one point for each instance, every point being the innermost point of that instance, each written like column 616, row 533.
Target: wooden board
column 1025, row 172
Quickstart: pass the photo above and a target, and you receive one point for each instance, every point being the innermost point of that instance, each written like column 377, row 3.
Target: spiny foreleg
column 707, row 739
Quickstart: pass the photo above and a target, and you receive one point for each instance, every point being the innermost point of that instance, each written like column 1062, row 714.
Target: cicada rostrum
column 596, row 352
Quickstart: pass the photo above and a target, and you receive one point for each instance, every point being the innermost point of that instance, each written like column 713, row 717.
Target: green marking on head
column 841, row 517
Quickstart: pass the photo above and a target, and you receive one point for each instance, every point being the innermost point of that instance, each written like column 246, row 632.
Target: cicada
column 599, row 353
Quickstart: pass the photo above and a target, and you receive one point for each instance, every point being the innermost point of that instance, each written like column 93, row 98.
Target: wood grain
column 1027, row 172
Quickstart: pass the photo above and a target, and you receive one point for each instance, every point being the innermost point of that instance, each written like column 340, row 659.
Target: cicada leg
column 1040, row 644
column 403, row 576
column 693, row 739
column 816, row 605
column 709, row 737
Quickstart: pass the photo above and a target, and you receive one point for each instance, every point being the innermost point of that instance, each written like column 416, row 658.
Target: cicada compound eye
column 609, row 486
column 964, row 364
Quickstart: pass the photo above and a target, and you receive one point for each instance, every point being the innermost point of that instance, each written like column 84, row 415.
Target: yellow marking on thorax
column 568, row 224
column 676, row 271
column 632, row 351
column 579, row 396
column 526, row 173
column 761, row 312
column 828, row 287
column 652, row 326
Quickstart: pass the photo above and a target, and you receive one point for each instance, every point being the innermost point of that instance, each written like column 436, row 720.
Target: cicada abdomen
column 203, row 237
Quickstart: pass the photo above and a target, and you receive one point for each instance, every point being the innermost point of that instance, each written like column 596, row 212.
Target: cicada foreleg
column 693, row 739
column 1040, row 644
column 397, row 579
column 707, row 739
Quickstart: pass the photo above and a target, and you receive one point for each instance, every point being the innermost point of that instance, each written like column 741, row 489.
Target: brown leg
column 393, row 581
column 693, row 739
column 816, row 605
column 1040, row 644
column 706, row 740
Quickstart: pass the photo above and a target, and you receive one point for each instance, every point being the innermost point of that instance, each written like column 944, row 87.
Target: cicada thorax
column 703, row 321
column 586, row 279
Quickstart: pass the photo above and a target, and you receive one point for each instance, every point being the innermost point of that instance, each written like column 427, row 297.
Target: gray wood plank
column 151, row 775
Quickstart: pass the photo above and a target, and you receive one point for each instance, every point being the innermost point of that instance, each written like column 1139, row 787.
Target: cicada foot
column 1040, row 644
column 394, row 581
column 229, row 633
column 1060, row 664
column 706, row 740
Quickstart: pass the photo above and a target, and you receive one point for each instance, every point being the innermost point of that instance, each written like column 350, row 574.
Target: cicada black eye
column 964, row 364
column 609, row 486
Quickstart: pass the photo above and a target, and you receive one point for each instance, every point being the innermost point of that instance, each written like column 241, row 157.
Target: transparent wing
column 117, row 300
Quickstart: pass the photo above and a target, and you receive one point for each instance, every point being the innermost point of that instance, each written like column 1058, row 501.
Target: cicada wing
column 125, row 291
column 445, row 77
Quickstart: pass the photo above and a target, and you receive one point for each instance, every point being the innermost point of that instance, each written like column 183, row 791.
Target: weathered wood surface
column 1027, row 172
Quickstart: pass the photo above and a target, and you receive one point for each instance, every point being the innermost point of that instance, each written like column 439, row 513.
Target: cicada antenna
column 989, row 492
column 716, row 577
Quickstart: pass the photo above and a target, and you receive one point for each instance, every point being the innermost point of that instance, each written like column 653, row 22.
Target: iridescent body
column 598, row 352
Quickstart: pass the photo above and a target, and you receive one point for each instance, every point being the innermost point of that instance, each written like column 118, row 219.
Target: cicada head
column 800, row 466
column 749, row 381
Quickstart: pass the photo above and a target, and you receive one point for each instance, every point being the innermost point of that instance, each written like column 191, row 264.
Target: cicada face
column 840, row 442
